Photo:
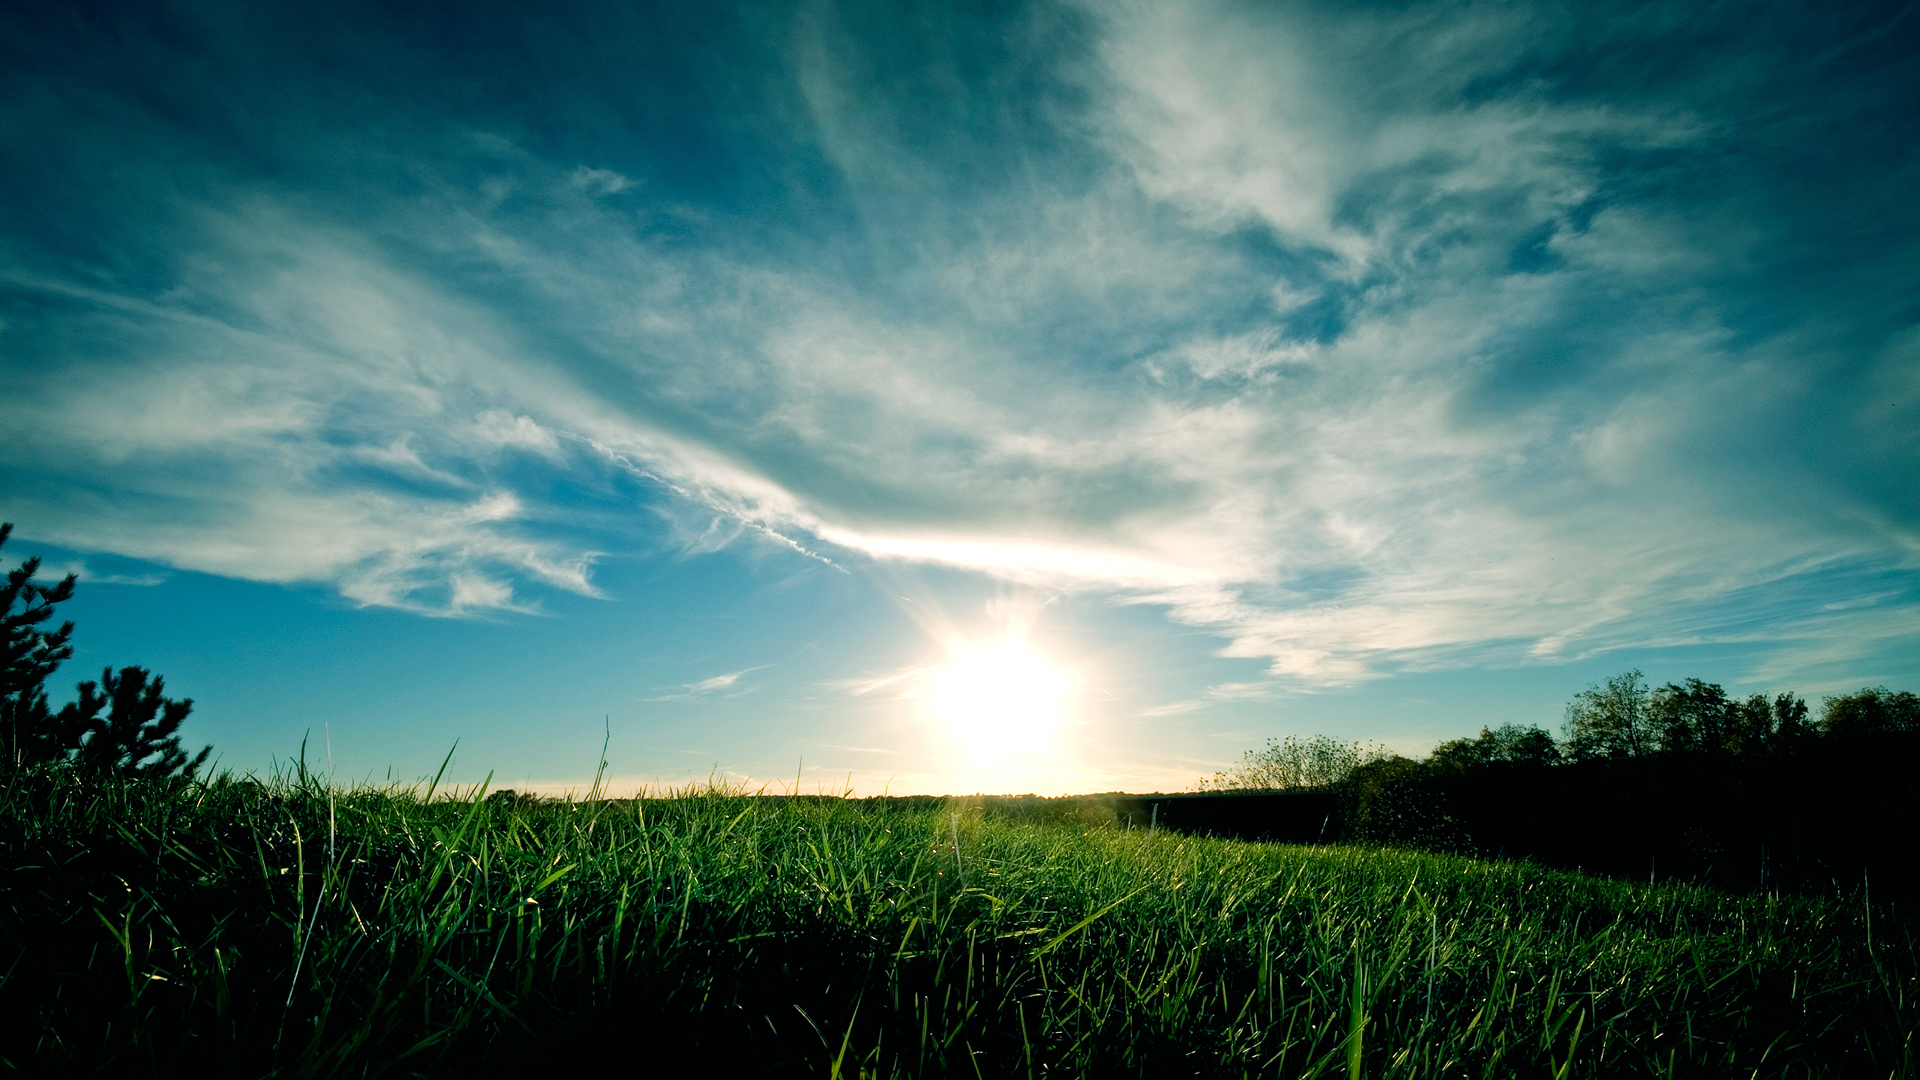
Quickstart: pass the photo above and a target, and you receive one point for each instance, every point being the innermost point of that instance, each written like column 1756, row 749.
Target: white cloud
column 598, row 181
column 1280, row 114
column 292, row 443
column 1380, row 447
column 1243, row 355
column 1443, row 531
column 52, row 572
column 502, row 428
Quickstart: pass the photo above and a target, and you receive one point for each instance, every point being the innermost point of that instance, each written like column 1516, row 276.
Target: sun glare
column 1000, row 700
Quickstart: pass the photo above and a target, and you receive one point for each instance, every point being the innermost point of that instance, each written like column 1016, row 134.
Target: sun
column 1000, row 700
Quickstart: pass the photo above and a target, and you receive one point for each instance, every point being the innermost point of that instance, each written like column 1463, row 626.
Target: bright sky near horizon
column 952, row 397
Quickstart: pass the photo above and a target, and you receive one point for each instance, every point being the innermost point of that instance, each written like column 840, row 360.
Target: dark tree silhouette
column 1872, row 711
column 1763, row 726
column 1692, row 717
column 140, row 724
column 1681, row 781
column 1514, row 744
column 29, row 654
column 138, row 735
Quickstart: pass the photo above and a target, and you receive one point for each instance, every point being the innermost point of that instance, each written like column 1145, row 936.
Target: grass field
column 248, row 929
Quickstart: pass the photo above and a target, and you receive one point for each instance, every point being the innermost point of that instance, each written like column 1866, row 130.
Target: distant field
column 240, row 929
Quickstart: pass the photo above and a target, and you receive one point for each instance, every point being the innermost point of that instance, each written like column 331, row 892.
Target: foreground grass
column 242, row 929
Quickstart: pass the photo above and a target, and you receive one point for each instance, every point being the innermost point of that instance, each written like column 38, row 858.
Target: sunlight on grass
column 241, row 928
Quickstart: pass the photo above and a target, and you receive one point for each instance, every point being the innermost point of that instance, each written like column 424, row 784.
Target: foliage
column 28, row 656
column 1762, row 725
column 1622, row 718
column 1609, row 720
column 1681, row 781
column 138, row 736
column 1395, row 800
column 1295, row 764
column 238, row 928
column 1510, row 743
column 1691, row 717
column 1870, row 712
column 1699, row 717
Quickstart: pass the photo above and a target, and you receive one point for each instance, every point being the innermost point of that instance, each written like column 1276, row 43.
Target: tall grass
column 287, row 928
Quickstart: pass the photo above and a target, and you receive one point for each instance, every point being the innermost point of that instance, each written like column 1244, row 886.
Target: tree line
column 1680, row 781
column 1619, row 719
column 123, row 724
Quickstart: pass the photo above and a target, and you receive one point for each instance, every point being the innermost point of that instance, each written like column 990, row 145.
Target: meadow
column 287, row 927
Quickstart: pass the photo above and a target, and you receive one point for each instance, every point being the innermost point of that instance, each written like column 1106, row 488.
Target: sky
column 924, row 397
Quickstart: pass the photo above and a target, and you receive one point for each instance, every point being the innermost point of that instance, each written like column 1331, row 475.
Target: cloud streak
column 706, row 689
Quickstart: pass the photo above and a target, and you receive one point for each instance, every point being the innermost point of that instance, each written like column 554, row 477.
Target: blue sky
column 711, row 382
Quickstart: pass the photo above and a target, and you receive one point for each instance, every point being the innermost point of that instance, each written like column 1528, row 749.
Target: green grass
column 247, row 929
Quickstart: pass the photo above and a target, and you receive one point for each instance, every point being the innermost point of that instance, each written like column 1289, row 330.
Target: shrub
column 1295, row 764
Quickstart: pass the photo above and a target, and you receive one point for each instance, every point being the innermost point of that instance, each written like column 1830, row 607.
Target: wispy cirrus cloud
column 706, row 689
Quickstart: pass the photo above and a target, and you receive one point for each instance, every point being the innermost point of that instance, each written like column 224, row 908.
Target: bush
column 1295, row 764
